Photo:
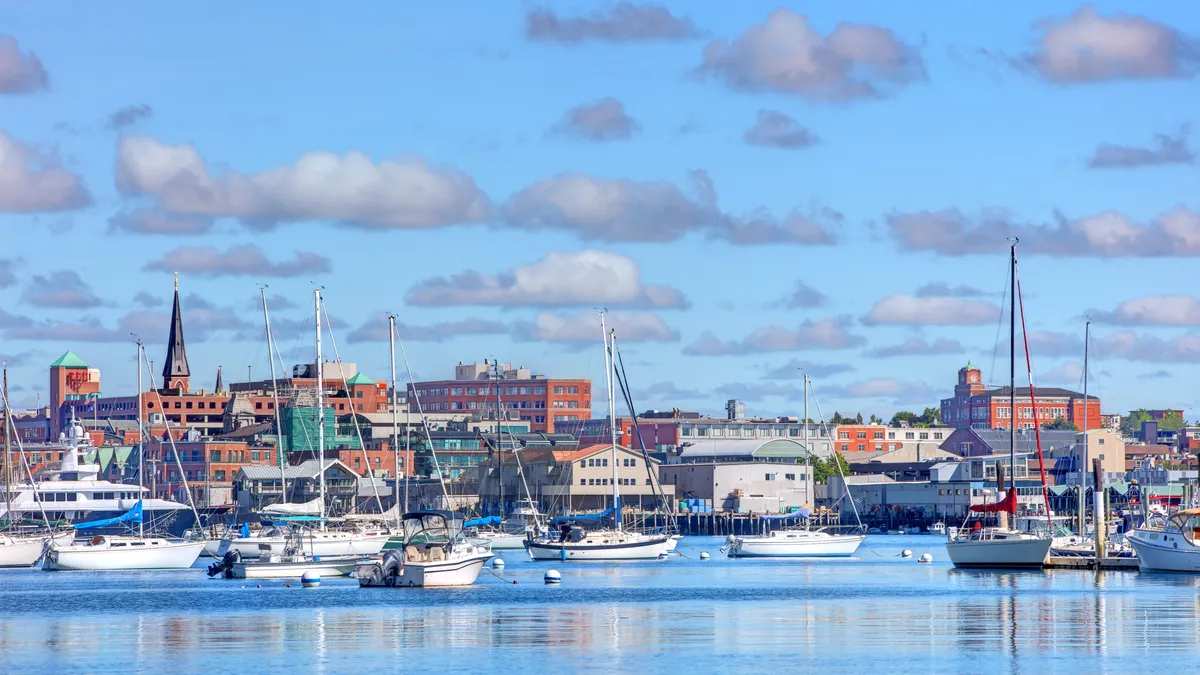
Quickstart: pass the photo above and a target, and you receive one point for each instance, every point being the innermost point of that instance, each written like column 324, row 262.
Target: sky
column 752, row 190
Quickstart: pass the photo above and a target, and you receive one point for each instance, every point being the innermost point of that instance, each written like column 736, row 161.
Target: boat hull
column 833, row 546
column 88, row 557
column 462, row 571
column 254, row 569
column 999, row 553
column 643, row 549
column 502, row 542
column 318, row 545
column 25, row 551
column 1161, row 555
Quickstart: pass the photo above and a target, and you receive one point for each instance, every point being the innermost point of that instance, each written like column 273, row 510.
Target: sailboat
column 106, row 552
column 796, row 542
column 1004, row 546
column 613, row 543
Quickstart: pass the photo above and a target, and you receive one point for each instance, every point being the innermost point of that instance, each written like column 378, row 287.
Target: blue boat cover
column 481, row 522
column 802, row 513
column 133, row 515
column 584, row 520
column 245, row 530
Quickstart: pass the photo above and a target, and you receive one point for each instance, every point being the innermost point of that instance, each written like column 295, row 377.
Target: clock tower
column 970, row 382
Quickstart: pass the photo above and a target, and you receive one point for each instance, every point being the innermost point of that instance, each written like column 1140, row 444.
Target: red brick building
column 538, row 400
column 974, row 406
column 859, row 437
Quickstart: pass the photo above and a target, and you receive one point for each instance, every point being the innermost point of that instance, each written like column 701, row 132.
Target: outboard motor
column 226, row 565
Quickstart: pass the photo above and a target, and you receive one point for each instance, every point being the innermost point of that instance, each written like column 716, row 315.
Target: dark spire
column 175, row 369
column 220, row 385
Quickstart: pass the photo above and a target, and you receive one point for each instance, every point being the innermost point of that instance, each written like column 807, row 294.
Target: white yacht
column 1172, row 547
column 997, row 547
column 24, row 550
column 273, row 540
column 105, row 552
column 793, row 542
column 435, row 554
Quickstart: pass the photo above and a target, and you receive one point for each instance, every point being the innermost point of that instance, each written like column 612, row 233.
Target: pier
column 1091, row 563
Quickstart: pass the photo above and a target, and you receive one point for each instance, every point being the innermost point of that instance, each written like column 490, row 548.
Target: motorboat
column 1171, row 546
column 289, row 565
column 24, row 550
column 435, row 553
column 997, row 547
column 938, row 529
column 793, row 543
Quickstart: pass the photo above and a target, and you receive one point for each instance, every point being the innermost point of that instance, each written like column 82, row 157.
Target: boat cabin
column 430, row 536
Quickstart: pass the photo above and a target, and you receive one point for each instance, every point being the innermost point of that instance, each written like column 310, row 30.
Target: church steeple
column 175, row 368
column 220, row 384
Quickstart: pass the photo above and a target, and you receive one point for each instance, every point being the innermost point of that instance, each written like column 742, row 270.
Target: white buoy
column 310, row 579
column 925, row 558
column 552, row 577
column 704, row 555
column 498, row 564
column 906, row 553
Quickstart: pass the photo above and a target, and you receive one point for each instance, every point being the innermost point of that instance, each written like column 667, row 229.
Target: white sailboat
column 607, row 543
column 1004, row 547
column 796, row 542
column 435, row 554
column 107, row 553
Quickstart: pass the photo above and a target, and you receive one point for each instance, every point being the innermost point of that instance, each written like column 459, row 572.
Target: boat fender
column 925, row 558
column 704, row 555
column 906, row 553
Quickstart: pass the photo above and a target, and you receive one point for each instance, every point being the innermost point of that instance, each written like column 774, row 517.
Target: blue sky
column 491, row 172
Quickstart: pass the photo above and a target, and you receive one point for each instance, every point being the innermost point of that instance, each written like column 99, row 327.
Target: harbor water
column 877, row 612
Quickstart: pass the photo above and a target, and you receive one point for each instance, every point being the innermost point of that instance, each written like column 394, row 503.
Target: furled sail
column 1009, row 504
column 133, row 515
column 312, row 508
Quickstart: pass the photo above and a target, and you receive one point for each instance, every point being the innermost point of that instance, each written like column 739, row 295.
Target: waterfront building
column 256, row 486
column 974, row 406
column 978, row 442
column 751, row 486
column 673, row 435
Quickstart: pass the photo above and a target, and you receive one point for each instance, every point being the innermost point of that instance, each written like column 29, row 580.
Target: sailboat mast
column 7, row 453
column 275, row 396
column 320, row 407
column 141, row 436
column 1087, row 328
column 395, row 413
column 1012, row 365
column 804, row 436
column 612, row 418
column 499, row 438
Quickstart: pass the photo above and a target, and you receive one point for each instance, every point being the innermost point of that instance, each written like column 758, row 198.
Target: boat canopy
column 483, row 522
column 133, row 515
column 589, row 519
column 802, row 513
column 312, row 508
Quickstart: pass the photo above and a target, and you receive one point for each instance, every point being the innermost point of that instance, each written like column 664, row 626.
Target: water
column 875, row 614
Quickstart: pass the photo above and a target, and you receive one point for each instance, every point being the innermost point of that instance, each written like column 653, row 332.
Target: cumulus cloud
column 1048, row 344
column 603, row 120
column 942, row 289
column 275, row 303
column 147, row 300
column 1088, row 47
column 31, row 182
column 560, row 279
column 623, row 22
column 1109, row 234
column 1155, row 310
column 898, row 391
column 585, row 328
column 918, row 347
column 828, row 333
column 351, row 189
column 776, row 130
column 795, row 369
column 622, row 210
column 128, row 116
column 201, row 317
column 7, row 276
column 905, row 309
column 20, row 73
column 804, row 296
column 668, row 391
column 1151, row 348
column 757, row 391
column 1155, row 375
column 242, row 260
column 1066, row 375
column 787, row 55
column 63, row 289
column 376, row 330
column 158, row 221
column 1164, row 150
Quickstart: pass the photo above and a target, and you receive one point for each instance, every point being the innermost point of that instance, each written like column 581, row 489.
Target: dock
column 1090, row 563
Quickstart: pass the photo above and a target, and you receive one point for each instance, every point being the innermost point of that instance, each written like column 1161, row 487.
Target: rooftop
column 359, row 378
column 1047, row 392
column 69, row 360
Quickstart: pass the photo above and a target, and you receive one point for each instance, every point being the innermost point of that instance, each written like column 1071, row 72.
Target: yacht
column 792, row 542
column 435, row 554
column 107, row 552
column 24, row 550
column 1171, row 547
column 997, row 547
column 274, row 540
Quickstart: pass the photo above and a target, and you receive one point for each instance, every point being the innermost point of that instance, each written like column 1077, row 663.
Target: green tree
column 1172, row 422
column 823, row 469
column 1132, row 424
column 1060, row 424
column 858, row 418
column 904, row 416
column 875, row 419
column 930, row 417
column 837, row 418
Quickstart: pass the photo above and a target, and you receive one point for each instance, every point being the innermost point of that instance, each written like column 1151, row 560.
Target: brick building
column 541, row 401
column 974, row 406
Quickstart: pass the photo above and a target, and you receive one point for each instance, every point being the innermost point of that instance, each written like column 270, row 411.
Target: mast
column 1087, row 327
column 395, row 412
column 612, row 420
column 804, row 437
column 141, row 435
column 499, row 437
column 7, row 454
column 275, row 396
column 320, row 407
column 1012, row 367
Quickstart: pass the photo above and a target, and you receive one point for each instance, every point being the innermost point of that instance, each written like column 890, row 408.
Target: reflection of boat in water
column 1171, row 546
column 435, row 554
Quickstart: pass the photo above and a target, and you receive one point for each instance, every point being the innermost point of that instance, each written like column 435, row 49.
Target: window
column 878, row 435
column 525, row 391
column 605, row 461
column 769, row 476
column 789, row 476
column 591, row 462
column 559, row 390
column 924, row 435
column 583, row 481
column 512, row 391
column 937, row 435
column 862, row 447
column 843, row 435
column 214, row 456
column 150, row 404
column 572, row 390
column 860, row 435
column 891, row 435
column 908, row 435
column 539, row 390
column 254, row 456
column 189, row 405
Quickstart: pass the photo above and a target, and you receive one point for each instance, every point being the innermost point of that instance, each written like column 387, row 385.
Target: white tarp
column 387, row 516
column 312, row 508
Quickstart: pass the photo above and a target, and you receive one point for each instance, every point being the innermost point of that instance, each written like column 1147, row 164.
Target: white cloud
column 62, row 289
column 1088, row 47
column 828, row 333
column 1166, row 150
column 1155, row 310
column 591, row 277
column 20, row 73
column 902, row 308
column 774, row 129
column 243, row 260
column 351, row 189
column 30, row 182
column 899, row 391
column 603, row 120
column 584, row 328
column 918, row 347
column 622, row 22
column 376, row 330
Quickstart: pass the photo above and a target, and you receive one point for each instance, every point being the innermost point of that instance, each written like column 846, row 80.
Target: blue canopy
column 802, row 513
column 584, row 520
column 299, row 519
column 133, row 515
column 245, row 533
column 481, row 522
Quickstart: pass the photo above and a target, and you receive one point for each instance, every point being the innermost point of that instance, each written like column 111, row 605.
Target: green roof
column 69, row 360
column 360, row 379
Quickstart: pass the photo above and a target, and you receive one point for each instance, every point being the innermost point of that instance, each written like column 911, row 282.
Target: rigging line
column 1037, row 432
column 170, row 437
column 424, row 424
column 279, row 451
column 837, row 459
column 353, row 415
column 627, row 393
column 12, row 428
column 999, row 324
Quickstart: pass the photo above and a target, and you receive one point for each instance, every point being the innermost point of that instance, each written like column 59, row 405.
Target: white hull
column 254, row 569
column 124, row 554
column 461, row 571
column 312, row 544
column 601, row 546
column 1160, row 555
column 24, row 551
column 814, row 545
column 999, row 552
column 213, row 548
column 500, row 542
